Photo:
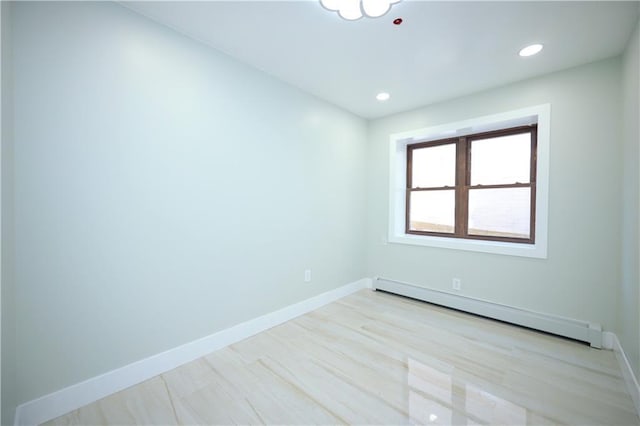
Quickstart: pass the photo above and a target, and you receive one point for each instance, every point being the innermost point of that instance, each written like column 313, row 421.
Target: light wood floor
column 375, row 358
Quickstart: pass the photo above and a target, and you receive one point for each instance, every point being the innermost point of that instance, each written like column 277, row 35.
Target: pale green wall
column 629, row 312
column 581, row 275
column 164, row 191
column 7, row 288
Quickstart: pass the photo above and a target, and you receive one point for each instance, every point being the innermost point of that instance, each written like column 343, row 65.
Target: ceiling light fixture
column 383, row 96
column 530, row 50
column 356, row 9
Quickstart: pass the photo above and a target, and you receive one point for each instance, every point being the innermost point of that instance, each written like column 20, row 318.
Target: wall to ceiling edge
column 580, row 277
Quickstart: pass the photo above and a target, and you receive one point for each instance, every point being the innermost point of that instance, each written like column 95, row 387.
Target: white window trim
column 540, row 114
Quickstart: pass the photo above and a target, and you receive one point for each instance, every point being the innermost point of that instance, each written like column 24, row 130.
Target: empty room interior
column 320, row 212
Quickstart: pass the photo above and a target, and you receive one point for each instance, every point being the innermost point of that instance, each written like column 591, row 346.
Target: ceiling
column 442, row 50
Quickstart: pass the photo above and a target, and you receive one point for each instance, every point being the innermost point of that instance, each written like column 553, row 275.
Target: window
column 478, row 186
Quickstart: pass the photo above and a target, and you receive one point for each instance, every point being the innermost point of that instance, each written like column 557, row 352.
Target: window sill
column 537, row 250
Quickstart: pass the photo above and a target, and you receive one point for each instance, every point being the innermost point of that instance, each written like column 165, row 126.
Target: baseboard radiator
column 578, row 330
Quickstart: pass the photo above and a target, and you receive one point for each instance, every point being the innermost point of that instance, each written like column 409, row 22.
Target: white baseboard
column 627, row 372
column 73, row 397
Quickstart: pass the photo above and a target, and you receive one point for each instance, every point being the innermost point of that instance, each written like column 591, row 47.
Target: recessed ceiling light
column 383, row 96
column 531, row 50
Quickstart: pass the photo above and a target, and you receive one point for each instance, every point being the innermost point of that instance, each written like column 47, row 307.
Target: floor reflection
column 439, row 397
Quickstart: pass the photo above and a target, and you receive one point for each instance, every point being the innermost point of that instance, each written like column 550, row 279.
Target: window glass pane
column 432, row 211
column 434, row 166
column 500, row 212
column 505, row 159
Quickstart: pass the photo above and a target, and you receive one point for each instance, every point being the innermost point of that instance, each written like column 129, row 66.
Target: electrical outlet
column 307, row 275
column 456, row 284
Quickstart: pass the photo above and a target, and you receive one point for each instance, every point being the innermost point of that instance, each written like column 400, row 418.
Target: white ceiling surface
column 441, row 51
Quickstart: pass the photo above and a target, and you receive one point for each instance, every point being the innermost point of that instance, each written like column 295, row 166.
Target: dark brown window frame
column 463, row 184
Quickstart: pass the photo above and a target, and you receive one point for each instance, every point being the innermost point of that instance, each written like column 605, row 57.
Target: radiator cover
column 575, row 329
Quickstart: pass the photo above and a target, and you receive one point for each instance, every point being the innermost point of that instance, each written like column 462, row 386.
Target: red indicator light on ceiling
column 397, row 21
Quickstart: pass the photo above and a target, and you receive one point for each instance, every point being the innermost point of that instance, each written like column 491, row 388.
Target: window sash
column 462, row 185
